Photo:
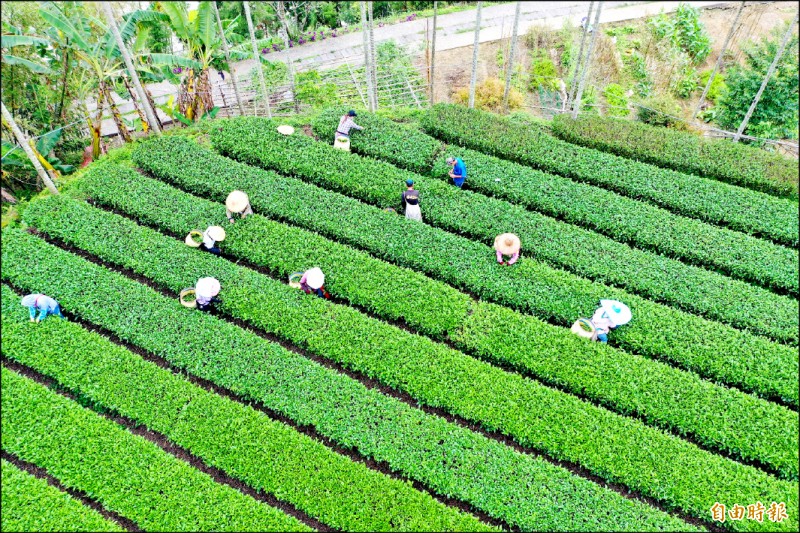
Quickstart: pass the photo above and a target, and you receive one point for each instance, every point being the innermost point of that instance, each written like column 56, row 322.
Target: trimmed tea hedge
column 685, row 152
column 663, row 395
column 124, row 472
column 533, row 415
column 620, row 218
column 263, row 453
column 712, row 201
column 32, row 504
column 708, row 348
column 266, row 454
column 524, row 490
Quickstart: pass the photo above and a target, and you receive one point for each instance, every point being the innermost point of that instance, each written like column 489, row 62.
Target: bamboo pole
column 474, row 77
column 23, row 142
column 137, row 84
column 573, row 85
column 510, row 65
column 770, row 72
column 373, row 56
column 257, row 57
column 433, row 50
column 595, row 30
column 364, row 33
column 719, row 61
column 228, row 59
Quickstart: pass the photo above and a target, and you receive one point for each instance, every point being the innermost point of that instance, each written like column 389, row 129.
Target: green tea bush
column 621, row 218
column 552, row 354
column 532, row 287
column 96, row 456
column 720, row 159
column 521, row 489
column 265, row 454
column 31, row 504
column 718, row 203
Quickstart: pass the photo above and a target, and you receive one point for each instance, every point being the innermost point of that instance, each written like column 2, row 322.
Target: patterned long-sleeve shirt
column 346, row 124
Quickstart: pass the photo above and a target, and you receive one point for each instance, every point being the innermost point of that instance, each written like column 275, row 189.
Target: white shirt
column 207, row 240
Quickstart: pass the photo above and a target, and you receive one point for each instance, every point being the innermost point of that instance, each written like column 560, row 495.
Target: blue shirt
column 459, row 169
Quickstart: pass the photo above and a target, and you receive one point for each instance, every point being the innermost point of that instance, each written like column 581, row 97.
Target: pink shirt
column 601, row 321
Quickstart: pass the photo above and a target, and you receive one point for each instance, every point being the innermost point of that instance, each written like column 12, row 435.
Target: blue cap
column 409, row 182
column 351, row 113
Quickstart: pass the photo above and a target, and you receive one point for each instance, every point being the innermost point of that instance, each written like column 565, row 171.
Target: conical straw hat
column 285, row 129
column 507, row 243
column 237, row 201
column 315, row 278
column 617, row 312
column 207, row 287
column 216, row 232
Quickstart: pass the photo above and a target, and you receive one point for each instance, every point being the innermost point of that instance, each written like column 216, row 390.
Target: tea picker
column 507, row 244
column 410, row 201
column 208, row 239
column 342, row 137
column 205, row 292
column 610, row 315
column 44, row 304
column 313, row 280
column 237, row 203
column 459, row 171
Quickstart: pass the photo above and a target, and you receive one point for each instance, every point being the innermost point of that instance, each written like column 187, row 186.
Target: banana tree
column 197, row 31
column 100, row 55
column 14, row 158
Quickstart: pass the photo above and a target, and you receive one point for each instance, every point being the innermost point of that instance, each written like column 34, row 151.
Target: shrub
column 32, row 504
column 265, row 454
column 525, row 489
column 648, row 227
column 776, row 115
column 124, row 472
column 489, row 96
column 660, row 110
column 543, row 72
column 718, row 86
column 560, row 424
column 616, row 99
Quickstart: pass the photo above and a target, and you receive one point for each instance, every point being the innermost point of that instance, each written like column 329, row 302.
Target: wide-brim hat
column 207, row 287
column 315, row 278
column 237, row 201
column 216, row 232
column 617, row 312
column 285, row 129
column 507, row 243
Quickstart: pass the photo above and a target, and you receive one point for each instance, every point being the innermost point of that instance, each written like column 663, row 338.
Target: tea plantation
column 435, row 390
